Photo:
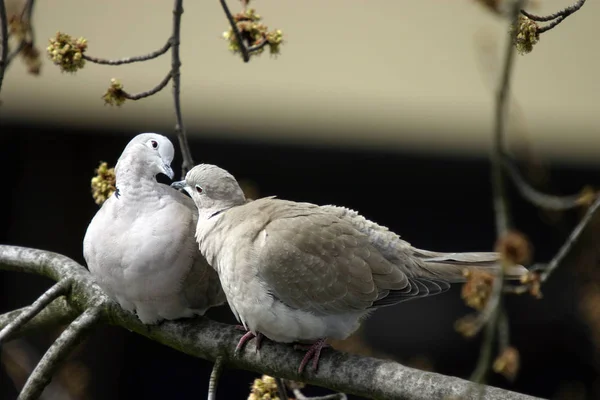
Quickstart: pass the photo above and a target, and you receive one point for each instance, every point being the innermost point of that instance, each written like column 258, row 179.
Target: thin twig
column 562, row 13
column 213, row 381
column 536, row 197
column 556, row 18
column 150, row 92
column 236, row 31
column 59, row 289
column 570, row 242
column 4, row 43
column 188, row 162
column 499, row 191
column 281, row 389
column 15, row 52
column 57, row 353
column 259, row 46
column 493, row 309
column 129, row 60
column 26, row 14
column 503, row 331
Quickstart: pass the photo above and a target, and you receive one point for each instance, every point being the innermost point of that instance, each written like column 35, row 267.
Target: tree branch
column 281, row 389
column 4, row 43
column 59, row 289
column 499, row 191
column 203, row 338
column 26, row 14
column 493, row 309
column 59, row 312
column 188, row 162
column 236, row 32
column 150, row 92
column 129, row 60
column 556, row 18
column 536, row 197
column 569, row 243
column 57, row 353
column 213, row 381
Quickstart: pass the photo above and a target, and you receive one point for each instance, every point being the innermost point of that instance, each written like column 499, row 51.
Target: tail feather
column 450, row 266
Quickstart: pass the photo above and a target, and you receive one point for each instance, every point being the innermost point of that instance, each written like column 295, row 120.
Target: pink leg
column 247, row 337
column 314, row 353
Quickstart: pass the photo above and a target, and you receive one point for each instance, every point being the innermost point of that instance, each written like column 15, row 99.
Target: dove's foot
column 249, row 335
column 314, row 353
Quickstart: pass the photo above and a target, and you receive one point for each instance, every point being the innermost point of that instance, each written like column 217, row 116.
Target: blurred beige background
column 415, row 75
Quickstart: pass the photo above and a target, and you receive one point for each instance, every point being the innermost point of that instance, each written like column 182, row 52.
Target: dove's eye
column 198, row 189
column 154, row 144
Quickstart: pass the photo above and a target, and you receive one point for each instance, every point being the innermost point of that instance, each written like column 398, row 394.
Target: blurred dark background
column 435, row 202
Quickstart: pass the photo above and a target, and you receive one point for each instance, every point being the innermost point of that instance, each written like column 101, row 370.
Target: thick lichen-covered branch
column 203, row 338
column 59, row 312
column 59, row 289
column 58, row 352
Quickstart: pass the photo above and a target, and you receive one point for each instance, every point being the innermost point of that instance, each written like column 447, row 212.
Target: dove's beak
column 179, row 185
column 168, row 171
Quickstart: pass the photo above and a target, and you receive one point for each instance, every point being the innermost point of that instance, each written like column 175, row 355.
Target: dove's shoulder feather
column 312, row 259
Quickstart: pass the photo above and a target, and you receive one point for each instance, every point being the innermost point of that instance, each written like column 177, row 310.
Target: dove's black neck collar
column 218, row 212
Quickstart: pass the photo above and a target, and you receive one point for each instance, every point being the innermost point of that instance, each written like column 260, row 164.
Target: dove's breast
column 142, row 252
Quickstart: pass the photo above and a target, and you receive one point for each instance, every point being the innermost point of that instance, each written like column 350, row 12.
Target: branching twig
column 238, row 36
column 59, row 289
column 129, row 60
column 4, row 43
column 26, row 14
column 59, row 312
column 201, row 337
column 150, row 92
column 188, row 162
column 213, row 381
column 536, row 197
column 493, row 309
column 556, row 18
column 569, row 243
column 56, row 354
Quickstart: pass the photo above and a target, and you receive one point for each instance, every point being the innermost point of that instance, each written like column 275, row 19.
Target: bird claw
column 314, row 353
column 249, row 335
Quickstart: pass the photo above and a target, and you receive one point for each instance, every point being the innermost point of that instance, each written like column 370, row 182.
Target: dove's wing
column 310, row 259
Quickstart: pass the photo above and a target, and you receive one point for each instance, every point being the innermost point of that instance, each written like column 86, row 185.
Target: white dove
column 140, row 245
column 299, row 272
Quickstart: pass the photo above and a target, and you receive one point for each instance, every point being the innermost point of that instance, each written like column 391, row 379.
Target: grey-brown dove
column 140, row 245
column 299, row 272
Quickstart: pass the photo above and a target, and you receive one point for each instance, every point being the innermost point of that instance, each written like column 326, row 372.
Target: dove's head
column 212, row 188
column 146, row 155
